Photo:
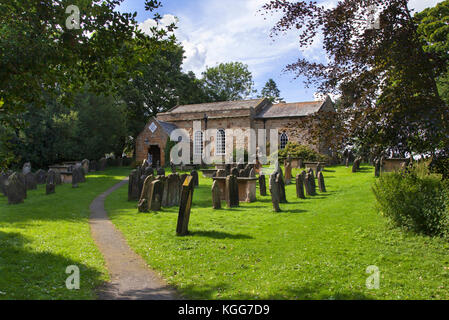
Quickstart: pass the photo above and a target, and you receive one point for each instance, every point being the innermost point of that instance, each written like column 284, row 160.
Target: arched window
column 198, row 143
column 220, row 149
column 284, row 140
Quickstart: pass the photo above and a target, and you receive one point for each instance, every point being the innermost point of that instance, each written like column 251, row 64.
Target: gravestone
column 145, row 164
column 76, row 177
column 232, row 191
column 240, row 166
column 355, row 166
column 235, row 172
column 262, row 185
column 173, row 167
column 307, row 185
column 80, row 169
column 133, row 186
column 252, row 173
column 26, row 168
column 312, row 185
column 23, row 183
column 185, row 206
column 85, row 164
column 196, row 181
column 227, row 169
column 216, row 196
column 157, row 190
column 242, row 173
column 148, row 171
column 321, row 183
column 30, row 181
column 102, row 164
column 3, row 182
column 144, row 202
column 377, row 168
column 182, row 179
column 164, row 182
column 14, row 189
column 160, row 171
column 288, row 172
column 300, row 186
column 93, row 166
column 58, row 178
column 275, row 191
column 173, row 195
column 41, row 176
column 50, row 186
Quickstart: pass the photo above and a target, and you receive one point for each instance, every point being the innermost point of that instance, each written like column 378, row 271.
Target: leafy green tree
column 387, row 81
column 271, row 92
column 228, row 82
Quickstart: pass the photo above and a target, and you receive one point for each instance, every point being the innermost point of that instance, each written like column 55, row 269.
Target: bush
column 415, row 200
column 303, row 152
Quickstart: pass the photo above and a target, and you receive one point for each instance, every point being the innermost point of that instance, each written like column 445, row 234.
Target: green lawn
column 40, row 238
column 317, row 248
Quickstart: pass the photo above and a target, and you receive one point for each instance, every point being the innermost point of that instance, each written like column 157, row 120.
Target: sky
column 216, row 31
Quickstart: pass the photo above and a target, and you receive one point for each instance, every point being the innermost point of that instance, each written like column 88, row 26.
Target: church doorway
column 155, row 153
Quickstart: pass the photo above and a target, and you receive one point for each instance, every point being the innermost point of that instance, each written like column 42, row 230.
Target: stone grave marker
column 185, row 206
column 196, row 181
column 144, row 202
column 300, row 186
column 216, row 196
column 15, row 189
column 262, row 185
column 50, row 186
column 275, row 191
column 157, row 190
column 321, row 183
column 232, row 191
column 30, row 181
column 133, row 186
column 41, row 176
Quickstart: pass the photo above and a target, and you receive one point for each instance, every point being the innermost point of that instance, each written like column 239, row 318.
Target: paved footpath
column 131, row 279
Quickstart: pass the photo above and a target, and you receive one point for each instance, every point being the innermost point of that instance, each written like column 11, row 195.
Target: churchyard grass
column 317, row 248
column 44, row 235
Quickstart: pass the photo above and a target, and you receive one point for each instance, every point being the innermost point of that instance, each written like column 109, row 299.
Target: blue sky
column 214, row 31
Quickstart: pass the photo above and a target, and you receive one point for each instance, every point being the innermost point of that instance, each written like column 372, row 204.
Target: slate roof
column 167, row 126
column 286, row 110
column 216, row 106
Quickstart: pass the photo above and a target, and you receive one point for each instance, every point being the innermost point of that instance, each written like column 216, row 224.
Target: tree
column 389, row 96
column 228, row 82
column 271, row 92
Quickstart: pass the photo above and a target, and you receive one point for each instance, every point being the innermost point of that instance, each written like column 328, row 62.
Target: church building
column 255, row 114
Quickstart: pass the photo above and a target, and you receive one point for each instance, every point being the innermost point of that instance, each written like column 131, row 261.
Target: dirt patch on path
column 131, row 279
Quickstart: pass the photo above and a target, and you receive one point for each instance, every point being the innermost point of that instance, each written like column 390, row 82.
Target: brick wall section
column 159, row 138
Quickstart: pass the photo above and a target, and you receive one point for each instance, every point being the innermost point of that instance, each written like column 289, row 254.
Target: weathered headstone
column 227, row 169
column 22, row 179
column 58, row 178
column 26, row 168
column 275, row 191
column 93, row 166
column 164, row 181
column 321, row 183
column 221, row 173
column 133, row 186
column 149, row 171
column 216, row 195
column 80, row 169
column 50, row 186
column 355, row 166
column 242, row 173
column 196, row 181
column 262, row 185
column 157, row 190
column 76, row 177
column 300, row 186
column 102, row 164
column 235, row 172
column 3, row 182
column 15, row 189
column 312, row 186
column 85, row 164
column 30, row 181
column 144, row 202
column 232, row 191
column 185, row 206
column 173, row 194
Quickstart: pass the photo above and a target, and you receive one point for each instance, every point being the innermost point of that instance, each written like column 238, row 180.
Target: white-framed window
column 198, row 143
column 220, row 148
column 284, row 140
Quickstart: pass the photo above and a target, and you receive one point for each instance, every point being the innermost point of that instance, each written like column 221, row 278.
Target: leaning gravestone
column 164, row 199
column 26, row 168
column 196, row 181
column 216, row 195
column 173, row 195
column 85, row 164
column 275, row 191
column 133, row 186
column 321, row 184
column 157, row 190
column 14, row 189
column 144, row 202
column 232, row 192
column 185, row 206
column 300, row 187
column 30, row 181
column 102, row 164
column 50, row 186
column 262, row 185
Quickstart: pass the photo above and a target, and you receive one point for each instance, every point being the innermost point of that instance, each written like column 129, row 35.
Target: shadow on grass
column 218, row 235
column 28, row 275
column 309, row 291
